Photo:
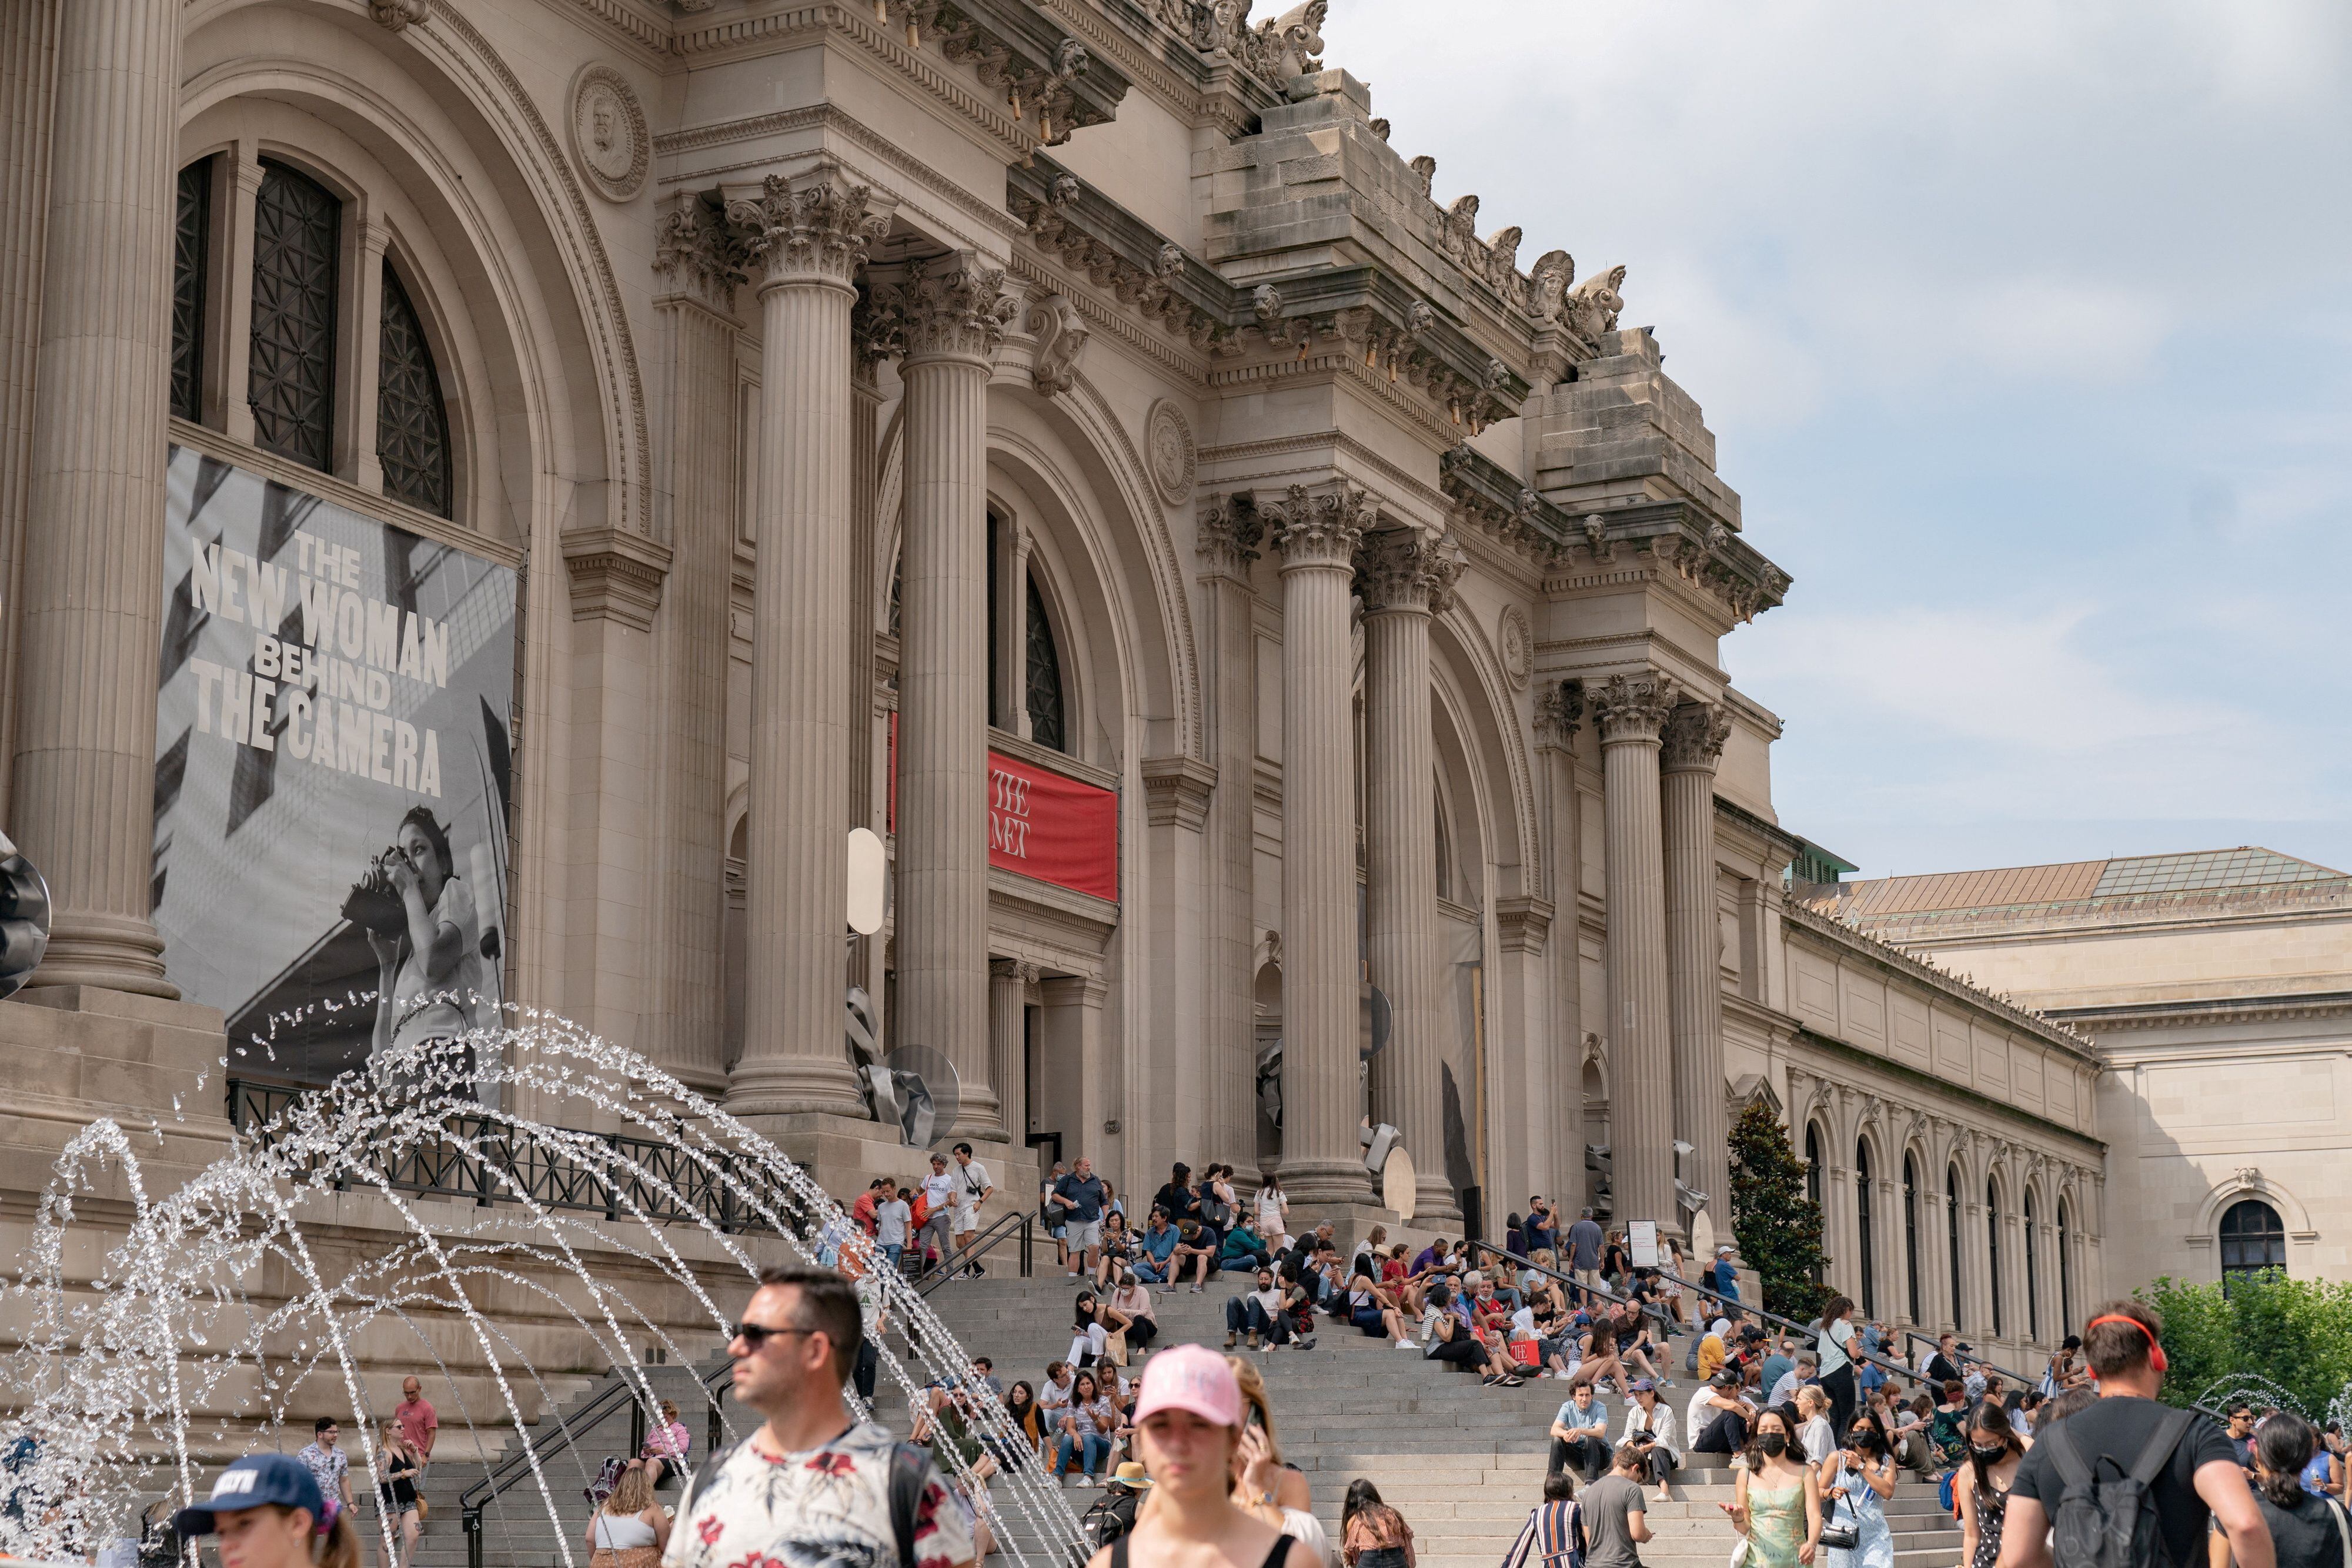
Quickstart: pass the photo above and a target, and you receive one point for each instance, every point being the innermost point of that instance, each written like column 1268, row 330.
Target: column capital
column 1559, row 713
column 1227, row 538
column 815, row 229
column 1319, row 527
column 1633, row 707
column 1692, row 739
column 1406, row 569
column 697, row 253
column 948, row 310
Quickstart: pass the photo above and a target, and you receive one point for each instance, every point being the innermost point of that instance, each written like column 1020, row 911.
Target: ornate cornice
column 1319, row 527
column 1694, row 736
column 948, row 310
column 1176, row 791
column 1633, row 707
column 1227, row 538
column 1062, row 331
column 818, row 228
column 1404, row 569
column 615, row 576
column 696, row 250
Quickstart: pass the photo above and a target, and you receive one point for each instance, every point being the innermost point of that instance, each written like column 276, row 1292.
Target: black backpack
column 1112, row 1518
column 2111, row 1524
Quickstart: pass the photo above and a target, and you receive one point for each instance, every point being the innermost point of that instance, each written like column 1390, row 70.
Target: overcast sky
column 2023, row 331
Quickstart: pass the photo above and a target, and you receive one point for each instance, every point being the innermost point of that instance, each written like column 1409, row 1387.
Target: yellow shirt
column 1710, row 1357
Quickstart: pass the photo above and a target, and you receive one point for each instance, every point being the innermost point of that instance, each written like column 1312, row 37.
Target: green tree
column 1777, row 1227
column 2293, row 1335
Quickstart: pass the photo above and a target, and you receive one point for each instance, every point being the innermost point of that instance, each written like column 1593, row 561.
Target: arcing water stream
column 229, row 1301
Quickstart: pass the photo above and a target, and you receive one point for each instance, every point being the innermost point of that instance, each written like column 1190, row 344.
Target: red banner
column 1042, row 824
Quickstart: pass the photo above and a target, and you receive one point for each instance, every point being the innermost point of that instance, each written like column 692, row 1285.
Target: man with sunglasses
column 811, row 1484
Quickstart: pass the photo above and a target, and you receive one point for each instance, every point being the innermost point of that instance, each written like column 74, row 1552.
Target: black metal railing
column 1964, row 1359
column 1021, row 1226
column 481, row 1158
column 1810, row 1331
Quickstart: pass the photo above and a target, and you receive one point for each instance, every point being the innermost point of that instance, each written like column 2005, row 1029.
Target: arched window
column 1869, row 1247
column 1444, row 850
column 296, row 227
column 2252, row 1240
column 2032, row 1277
column 1910, row 1238
column 2065, row 1263
column 1047, row 724
column 412, row 423
column 1952, row 1233
column 1992, row 1252
column 191, row 240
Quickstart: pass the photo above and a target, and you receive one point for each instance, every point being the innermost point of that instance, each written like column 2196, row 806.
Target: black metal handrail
column 511, row 1470
column 657, row 1178
column 1514, row 1260
column 1020, row 1222
column 1855, row 1351
column 1965, row 1358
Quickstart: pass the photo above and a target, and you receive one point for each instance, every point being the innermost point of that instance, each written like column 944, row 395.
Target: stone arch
column 2250, row 1183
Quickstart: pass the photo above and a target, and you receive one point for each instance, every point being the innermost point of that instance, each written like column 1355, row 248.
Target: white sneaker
column 1406, row 1344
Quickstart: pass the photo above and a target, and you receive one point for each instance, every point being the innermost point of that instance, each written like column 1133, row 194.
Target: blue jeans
column 1151, row 1270
column 893, row 1250
column 1094, row 1455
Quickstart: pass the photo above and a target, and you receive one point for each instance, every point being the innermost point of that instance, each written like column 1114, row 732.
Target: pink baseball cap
column 1191, row 1377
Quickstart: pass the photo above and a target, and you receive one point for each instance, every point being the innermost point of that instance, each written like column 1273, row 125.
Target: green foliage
column 2294, row 1333
column 1777, row 1227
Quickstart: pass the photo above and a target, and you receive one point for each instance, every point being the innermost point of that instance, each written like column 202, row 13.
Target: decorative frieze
column 615, row 576
column 1177, row 790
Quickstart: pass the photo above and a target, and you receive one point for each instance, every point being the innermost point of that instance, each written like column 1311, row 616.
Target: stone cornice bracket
column 615, row 576
column 817, row 228
column 1559, row 713
column 1176, row 791
column 696, row 251
column 1404, row 568
column 1694, row 737
column 1633, row 707
column 950, row 310
column 1320, row 527
column 1062, row 335
column 1229, row 532
column 1019, row 51
column 394, row 14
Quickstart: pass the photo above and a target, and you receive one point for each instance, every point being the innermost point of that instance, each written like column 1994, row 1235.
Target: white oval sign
column 869, row 874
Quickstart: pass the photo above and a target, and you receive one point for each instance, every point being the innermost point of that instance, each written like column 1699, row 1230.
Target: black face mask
column 1992, row 1456
column 1864, row 1441
column 1773, row 1444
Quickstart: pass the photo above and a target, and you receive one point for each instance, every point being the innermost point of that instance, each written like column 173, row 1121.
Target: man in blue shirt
column 1153, row 1249
column 1579, row 1435
column 1079, row 1197
column 1722, row 1276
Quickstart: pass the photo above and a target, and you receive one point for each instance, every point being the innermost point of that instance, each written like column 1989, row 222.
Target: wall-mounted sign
column 1043, row 824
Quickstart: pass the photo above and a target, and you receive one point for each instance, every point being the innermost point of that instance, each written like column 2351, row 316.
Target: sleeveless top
column 1775, row 1525
column 1992, row 1508
column 619, row 1531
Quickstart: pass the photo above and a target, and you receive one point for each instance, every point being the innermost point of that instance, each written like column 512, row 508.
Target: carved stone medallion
column 609, row 139
column 1515, row 646
column 1168, row 449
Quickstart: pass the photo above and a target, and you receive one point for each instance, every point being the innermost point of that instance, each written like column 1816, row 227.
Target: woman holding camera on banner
column 430, row 969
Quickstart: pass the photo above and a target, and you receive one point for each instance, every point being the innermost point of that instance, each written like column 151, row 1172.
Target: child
column 892, row 1219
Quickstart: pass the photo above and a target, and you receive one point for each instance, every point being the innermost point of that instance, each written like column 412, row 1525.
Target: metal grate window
column 295, row 235
column 191, row 246
column 412, row 423
column 1046, row 725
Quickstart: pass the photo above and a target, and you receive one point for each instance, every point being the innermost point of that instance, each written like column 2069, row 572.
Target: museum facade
column 608, row 449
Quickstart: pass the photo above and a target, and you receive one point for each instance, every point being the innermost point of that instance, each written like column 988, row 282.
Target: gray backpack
column 2111, row 1524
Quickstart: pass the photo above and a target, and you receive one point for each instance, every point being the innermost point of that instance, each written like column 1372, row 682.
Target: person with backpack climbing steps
column 811, row 1484
column 2128, row 1482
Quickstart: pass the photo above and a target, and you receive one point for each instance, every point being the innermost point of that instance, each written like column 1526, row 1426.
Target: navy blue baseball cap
column 256, row 1480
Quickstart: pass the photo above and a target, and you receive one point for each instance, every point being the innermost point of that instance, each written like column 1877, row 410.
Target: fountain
column 229, row 1300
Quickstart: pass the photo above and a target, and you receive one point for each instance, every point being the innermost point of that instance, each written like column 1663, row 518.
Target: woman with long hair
column 401, row 1468
column 1371, row 1533
column 1981, row 1487
column 1855, row 1486
column 1264, row 1485
column 629, row 1529
column 268, row 1512
column 666, row 1445
column 1549, row 1537
column 1837, row 1347
column 1021, row 1409
column 1776, row 1496
column 1273, row 1211
column 1118, row 1249
column 429, row 972
column 1088, row 1430
column 2303, row 1521
column 1189, row 1429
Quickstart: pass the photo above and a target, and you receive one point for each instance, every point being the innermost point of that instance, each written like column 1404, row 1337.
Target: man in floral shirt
column 810, row 1488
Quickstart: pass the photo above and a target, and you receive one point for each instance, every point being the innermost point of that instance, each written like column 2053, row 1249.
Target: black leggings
column 1838, row 1387
column 1141, row 1332
column 1462, row 1351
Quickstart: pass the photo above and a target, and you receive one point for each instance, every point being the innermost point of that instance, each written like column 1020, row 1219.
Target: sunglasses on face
column 757, row 1335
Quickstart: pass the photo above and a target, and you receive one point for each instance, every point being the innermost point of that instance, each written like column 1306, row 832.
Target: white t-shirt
column 940, row 1187
column 1786, row 1388
column 1052, row 1395
column 421, row 1016
column 890, row 1222
column 1699, row 1414
column 1835, row 1338
column 826, row 1508
column 1270, row 1203
column 971, row 1181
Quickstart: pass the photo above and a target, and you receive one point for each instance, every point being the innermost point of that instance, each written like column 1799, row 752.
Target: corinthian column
column 1631, row 710
column 1691, row 745
column 90, row 608
column 1559, row 713
column 808, row 239
column 1317, row 534
column 700, row 264
column 1230, row 533
column 953, row 316
column 1407, row 578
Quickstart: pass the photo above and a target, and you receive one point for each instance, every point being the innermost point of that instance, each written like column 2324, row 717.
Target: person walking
column 1584, row 1242
column 811, row 1483
column 1273, row 1211
column 1837, row 1347
column 628, row 1530
column 327, row 1462
column 1078, row 1198
column 2308, row 1529
column 419, row 1422
column 935, row 1241
column 1187, row 1417
column 1776, row 1498
column 1854, row 1492
column 1552, row 1535
column 268, row 1512
column 1982, row 1487
column 397, row 1488
column 1371, row 1533
column 1615, row 1522
column 973, row 1187
column 2197, row 1483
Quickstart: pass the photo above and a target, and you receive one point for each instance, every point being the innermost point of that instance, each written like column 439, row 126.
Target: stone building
column 2218, row 986
column 1068, row 437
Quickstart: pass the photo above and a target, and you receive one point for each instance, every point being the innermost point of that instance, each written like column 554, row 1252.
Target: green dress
column 1775, row 1525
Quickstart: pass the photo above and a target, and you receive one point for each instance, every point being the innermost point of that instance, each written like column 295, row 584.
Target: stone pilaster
column 699, row 264
column 806, row 240
column 952, row 316
column 27, row 35
column 90, row 606
column 1631, row 711
column 1008, row 1019
column 1316, row 533
column 1229, row 534
column 871, row 341
column 1011, row 698
column 1690, row 748
column 1559, row 713
column 1406, row 579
